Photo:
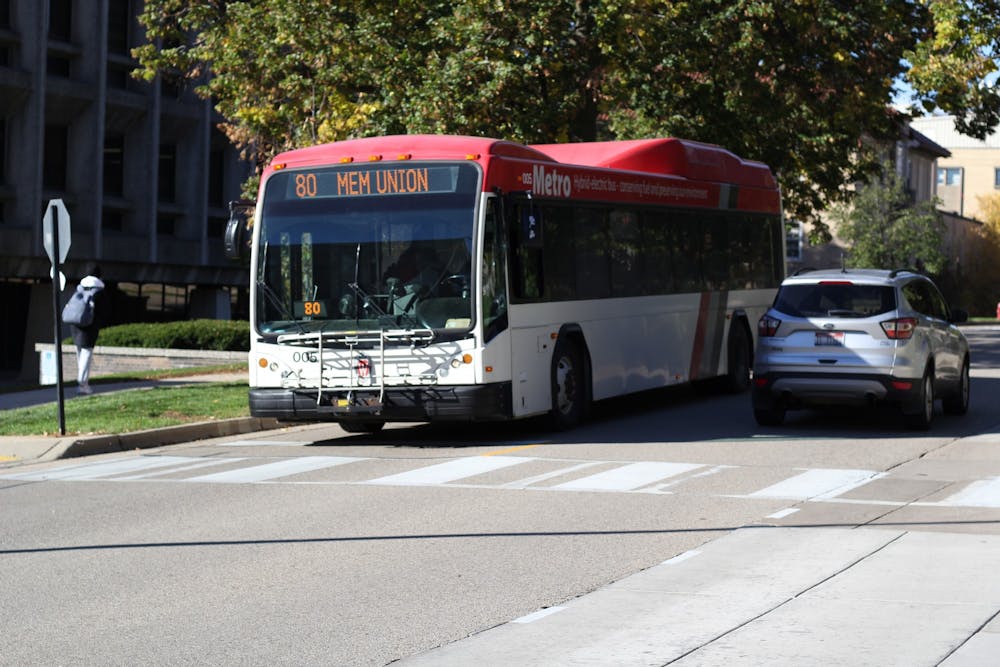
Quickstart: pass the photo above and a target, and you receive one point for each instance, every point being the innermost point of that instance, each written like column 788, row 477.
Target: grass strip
column 132, row 410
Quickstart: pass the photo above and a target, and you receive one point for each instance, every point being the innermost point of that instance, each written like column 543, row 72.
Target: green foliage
column 954, row 65
column 795, row 85
column 187, row 335
column 885, row 230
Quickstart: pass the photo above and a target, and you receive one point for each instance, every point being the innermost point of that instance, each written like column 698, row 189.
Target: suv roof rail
column 896, row 272
column 804, row 269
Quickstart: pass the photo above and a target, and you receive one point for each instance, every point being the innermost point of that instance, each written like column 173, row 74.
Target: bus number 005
column 305, row 186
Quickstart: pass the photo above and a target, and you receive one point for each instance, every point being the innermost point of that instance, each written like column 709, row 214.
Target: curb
column 158, row 437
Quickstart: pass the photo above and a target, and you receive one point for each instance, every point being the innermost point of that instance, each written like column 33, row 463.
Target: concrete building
column 970, row 172
column 141, row 168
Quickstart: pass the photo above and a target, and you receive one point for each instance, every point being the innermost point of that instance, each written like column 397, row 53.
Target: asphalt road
column 670, row 528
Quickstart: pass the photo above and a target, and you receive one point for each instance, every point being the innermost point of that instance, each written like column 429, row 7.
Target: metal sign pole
column 57, row 318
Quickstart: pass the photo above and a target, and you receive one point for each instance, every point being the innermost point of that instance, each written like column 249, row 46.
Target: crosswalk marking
column 275, row 469
column 806, row 485
column 267, row 443
column 87, row 471
column 537, row 479
column 628, row 477
column 194, row 465
column 817, row 484
column 982, row 493
column 442, row 473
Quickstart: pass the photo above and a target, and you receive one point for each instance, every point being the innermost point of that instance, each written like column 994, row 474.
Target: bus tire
column 569, row 391
column 737, row 378
column 362, row 427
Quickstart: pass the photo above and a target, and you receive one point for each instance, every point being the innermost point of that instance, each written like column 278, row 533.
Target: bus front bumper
column 491, row 402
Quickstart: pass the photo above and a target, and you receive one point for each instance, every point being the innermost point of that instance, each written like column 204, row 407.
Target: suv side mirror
column 958, row 316
column 235, row 239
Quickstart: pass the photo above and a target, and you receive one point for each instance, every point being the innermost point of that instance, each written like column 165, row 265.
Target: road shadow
column 699, row 412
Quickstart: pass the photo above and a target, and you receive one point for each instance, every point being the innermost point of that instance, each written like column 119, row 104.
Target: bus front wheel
column 569, row 392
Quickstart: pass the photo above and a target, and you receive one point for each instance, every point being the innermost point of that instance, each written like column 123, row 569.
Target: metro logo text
column 549, row 182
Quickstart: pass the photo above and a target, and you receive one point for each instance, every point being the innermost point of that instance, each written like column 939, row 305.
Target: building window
column 61, row 20
column 166, row 224
column 54, row 156
column 949, row 175
column 119, row 27
column 996, row 177
column 114, row 165
column 167, row 186
column 3, row 150
column 216, row 177
column 112, row 220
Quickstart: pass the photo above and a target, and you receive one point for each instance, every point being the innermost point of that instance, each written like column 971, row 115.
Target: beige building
column 970, row 172
column 916, row 159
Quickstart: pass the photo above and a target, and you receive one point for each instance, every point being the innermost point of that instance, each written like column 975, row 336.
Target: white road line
column 528, row 481
column 104, row 469
column 541, row 613
column 263, row 443
column 983, row 493
column 680, row 558
column 817, row 484
column 449, row 471
column 274, row 470
column 200, row 463
column 781, row 514
column 628, row 477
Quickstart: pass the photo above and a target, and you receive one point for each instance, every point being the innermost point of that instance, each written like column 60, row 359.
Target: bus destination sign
column 368, row 181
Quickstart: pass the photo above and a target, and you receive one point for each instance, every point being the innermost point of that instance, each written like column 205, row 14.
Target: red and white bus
column 426, row 278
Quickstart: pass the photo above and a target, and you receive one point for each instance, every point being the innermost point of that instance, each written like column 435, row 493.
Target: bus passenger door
column 493, row 296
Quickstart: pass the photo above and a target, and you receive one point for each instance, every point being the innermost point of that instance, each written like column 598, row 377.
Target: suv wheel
column 921, row 420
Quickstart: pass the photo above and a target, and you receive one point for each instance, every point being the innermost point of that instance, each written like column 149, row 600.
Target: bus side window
column 493, row 304
column 527, row 256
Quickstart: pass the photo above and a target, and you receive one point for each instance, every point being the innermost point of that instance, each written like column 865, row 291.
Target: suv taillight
column 767, row 326
column 900, row 329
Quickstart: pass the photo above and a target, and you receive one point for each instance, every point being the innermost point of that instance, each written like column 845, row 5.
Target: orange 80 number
column 312, row 308
column 305, row 186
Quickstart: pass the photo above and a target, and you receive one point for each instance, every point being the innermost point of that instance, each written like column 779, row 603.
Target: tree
column 885, row 230
column 795, row 85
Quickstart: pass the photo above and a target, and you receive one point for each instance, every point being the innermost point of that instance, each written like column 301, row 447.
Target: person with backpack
column 85, row 312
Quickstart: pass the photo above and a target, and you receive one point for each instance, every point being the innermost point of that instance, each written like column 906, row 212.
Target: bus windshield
column 364, row 248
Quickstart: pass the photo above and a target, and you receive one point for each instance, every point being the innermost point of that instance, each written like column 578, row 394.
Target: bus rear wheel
column 569, row 391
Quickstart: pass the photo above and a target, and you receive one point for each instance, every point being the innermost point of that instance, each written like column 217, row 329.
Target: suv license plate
column 830, row 338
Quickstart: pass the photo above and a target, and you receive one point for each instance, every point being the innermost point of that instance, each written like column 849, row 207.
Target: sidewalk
column 17, row 450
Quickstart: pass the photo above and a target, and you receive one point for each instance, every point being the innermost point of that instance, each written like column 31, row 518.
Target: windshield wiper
column 278, row 304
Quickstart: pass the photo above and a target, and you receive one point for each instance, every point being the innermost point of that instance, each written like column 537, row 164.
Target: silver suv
column 860, row 337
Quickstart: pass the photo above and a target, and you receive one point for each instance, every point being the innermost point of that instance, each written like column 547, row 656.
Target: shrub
column 223, row 335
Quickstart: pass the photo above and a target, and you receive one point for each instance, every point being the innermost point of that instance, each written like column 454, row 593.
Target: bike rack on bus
column 352, row 340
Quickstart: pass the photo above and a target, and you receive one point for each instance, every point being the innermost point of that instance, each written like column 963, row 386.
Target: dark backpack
column 79, row 310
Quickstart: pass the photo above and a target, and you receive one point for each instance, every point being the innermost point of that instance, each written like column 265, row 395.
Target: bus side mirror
column 235, row 238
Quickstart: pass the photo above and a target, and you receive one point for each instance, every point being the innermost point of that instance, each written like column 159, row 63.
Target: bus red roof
column 676, row 157
column 669, row 157
column 419, row 146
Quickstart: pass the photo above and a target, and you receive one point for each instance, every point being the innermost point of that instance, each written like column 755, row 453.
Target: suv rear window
column 835, row 300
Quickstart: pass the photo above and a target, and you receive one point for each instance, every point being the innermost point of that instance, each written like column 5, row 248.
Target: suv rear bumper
column 794, row 390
